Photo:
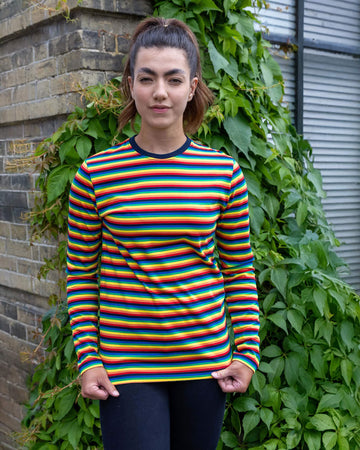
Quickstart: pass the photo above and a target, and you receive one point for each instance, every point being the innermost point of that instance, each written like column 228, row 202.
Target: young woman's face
column 162, row 87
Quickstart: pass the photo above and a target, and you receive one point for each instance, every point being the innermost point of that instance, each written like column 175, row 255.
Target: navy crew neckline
column 176, row 152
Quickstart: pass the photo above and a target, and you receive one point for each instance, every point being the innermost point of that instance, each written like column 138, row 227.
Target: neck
column 160, row 142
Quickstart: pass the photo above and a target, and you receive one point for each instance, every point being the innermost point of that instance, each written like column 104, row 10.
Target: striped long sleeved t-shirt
column 146, row 293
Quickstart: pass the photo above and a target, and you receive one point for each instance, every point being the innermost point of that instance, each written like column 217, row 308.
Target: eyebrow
column 168, row 73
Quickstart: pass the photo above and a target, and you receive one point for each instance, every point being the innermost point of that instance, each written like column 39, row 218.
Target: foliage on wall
column 306, row 393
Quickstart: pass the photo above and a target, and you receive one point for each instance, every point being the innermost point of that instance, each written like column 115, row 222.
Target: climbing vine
column 59, row 7
column 306, row 393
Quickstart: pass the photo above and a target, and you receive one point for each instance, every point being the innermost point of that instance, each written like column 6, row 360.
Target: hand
column 95, row 384
column 234, row 378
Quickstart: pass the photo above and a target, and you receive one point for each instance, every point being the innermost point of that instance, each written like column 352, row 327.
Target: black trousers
column 179, row 415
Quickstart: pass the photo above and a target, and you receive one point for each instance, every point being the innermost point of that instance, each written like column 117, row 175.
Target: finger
column 94, row 392
column 221, row 374
column 229, row 385
column 225, row 373
column 107, row 385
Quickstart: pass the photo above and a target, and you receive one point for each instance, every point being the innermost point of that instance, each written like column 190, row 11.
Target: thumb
column 223, row 373
column 109, row 387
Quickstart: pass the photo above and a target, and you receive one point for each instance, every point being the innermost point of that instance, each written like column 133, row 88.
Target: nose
column 160, row 91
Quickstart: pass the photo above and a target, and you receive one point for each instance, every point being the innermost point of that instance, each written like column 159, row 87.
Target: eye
column 175, row 81
column 145, row 80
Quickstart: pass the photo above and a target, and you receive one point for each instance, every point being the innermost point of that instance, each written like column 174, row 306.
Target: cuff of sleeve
column 249, row 361
column 89, row 363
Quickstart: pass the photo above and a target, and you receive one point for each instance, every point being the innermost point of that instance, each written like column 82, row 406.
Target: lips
column 159, row 108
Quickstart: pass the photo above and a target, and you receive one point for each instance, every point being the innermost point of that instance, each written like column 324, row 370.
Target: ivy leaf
column 235, row 421
column 72, row 173
column 83, row 147
column 291, row 371
column 339, row 299
column 260, row 147
column 242, row 404
column 292, row 439
column 244, row 4
column 324, row 328
column 67, row 148
column 266, row 415
column 276, row 93
column 343, row 442
column 267, row 74
column 94, row 409
column 279, row 277
column 258, row 381
column 232, row 69
column 290, row 399
column 272, row 351
column 228, row 4
column 347, row 334
column 279, row 319
column 75, row 435
column 272, row 205
column 69, row 350
column 253, row 185
column 293, row 198
column 113, row 125
column 217, row 59
column 250, row 421
column 169, row 9
column 244, row 25
column 230, row 66
column 201, row 6
column 101, row 144
column 296, row 278
column 322, row 422
column 239, row 132
column 57, row 135
column 320, row 297
column 296, row 319
column 329, row 440
column 301, row 213
column 316, row 179
column 89, row 419
column 346, row 371
column 256, row 219
column 95, row 129
column 229, row 439
column 319, row 249
column 317, row 359
column 328, row 401
column 64, row 403
column 57, row 182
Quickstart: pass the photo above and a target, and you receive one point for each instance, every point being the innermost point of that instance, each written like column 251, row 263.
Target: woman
column 146, row 296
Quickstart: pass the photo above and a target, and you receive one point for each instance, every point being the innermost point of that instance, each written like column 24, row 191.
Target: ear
column 131, row 86
column 193, row 86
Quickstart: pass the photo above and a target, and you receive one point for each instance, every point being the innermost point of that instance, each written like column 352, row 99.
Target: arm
column 84, row 244
column 236, row 259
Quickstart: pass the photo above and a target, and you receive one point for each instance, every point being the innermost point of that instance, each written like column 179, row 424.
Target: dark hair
column 159, row 32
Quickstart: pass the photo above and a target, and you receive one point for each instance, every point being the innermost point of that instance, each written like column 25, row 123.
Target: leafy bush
column 306, row 393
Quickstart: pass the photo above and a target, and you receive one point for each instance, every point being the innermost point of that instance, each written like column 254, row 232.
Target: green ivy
column 306, row 393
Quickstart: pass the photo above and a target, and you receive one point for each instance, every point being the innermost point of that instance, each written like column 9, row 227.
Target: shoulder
column 200, row 149
column 214, row 156
column 109, row 154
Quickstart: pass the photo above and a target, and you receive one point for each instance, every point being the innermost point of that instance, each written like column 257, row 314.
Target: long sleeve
column 236, row 260
column 84, row 242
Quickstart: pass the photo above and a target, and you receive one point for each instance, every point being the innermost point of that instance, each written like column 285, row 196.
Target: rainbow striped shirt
column 146, row 294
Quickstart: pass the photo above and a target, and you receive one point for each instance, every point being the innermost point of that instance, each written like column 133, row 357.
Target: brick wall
column 43, row 61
